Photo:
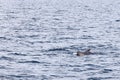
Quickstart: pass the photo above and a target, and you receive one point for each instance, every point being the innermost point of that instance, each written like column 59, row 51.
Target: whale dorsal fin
column 87, row 51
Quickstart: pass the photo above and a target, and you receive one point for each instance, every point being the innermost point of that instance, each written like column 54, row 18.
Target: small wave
column 87, row 37
column 33, row 61
column 2, row 67
column 29, row 62
column 25, row 75
column 50, row 55
column 68, row 65
column 63, row 50
column 19, row 54
column 77, row 70
column 92, row 66
column 5, row 50
column 99, row 53
column 45, row 77
column 6, row 58
column 27, row 36
column 57, row 49
column 4, row 38
column 99, row 78
column 106, row 70
column 19, row 76
column 56, row 76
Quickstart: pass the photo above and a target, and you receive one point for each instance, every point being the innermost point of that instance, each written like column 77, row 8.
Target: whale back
column 87, row 52
column 80, row 53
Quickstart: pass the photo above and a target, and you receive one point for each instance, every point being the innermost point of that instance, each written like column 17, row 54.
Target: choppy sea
column 38, row 39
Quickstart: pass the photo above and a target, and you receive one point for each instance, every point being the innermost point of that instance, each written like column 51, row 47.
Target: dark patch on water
column 75, row 47
column 20, row 77
column 30, row 62
column 5, row 50
column 106, row 71
column 69, row 49
column 57, row 49
column 2, row 67
column 34, row 19
column 118, row 20
column 45, row 77
column 72, row 28
column 69, row 76
column 65, row 38
column 6, row 58
column 18, row 54
column 99, row 78
column 57, row 19
column 42, row 42
column 87, row 37
column 77, row 70
column 68, row 65
column 60, row 11
column 93, row 66
column 27, row 36
column 23, row 75
column 56, row 76
column 100, row 45
column 33, row 62
column 4, row 38
column 99, row 53
column 51, row 55
column 3, row 77
column 94, row 78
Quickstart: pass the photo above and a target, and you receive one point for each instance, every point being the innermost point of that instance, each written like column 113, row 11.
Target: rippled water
column 38, row 39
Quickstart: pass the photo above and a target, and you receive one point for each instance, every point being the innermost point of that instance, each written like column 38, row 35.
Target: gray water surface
column 38, row 39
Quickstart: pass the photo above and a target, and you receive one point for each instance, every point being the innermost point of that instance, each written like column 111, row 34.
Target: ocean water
column 38, row 39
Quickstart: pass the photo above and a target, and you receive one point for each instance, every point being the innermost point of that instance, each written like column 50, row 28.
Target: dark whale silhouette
column 87, row 52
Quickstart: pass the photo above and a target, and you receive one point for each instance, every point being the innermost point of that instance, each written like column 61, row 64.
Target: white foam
column 74, row 53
